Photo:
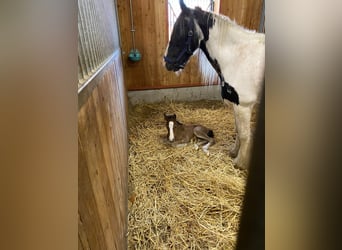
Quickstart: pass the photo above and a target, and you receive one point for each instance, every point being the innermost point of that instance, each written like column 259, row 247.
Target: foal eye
column 190, row 33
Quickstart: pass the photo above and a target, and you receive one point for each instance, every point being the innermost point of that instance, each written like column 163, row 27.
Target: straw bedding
column 180, row 198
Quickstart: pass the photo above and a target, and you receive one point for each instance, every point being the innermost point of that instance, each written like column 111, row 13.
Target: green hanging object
column 134, row 55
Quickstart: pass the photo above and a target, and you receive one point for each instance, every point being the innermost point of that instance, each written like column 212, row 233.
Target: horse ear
column 182, row 5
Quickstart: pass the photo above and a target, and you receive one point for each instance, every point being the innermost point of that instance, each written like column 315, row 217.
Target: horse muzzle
column 173, row 67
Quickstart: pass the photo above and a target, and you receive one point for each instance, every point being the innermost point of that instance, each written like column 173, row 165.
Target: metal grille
column 97, row 36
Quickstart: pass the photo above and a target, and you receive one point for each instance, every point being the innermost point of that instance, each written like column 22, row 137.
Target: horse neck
column 224, row 34
column 213, row 44
column 224, row 40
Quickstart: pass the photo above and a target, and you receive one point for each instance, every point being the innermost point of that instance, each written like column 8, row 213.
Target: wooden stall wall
column 245, row 12
column 151, row 37
column 102, row 130
column 102, row 176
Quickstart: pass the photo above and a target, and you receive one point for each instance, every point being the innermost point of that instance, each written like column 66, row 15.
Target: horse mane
column 226, row 26
column 208, row 74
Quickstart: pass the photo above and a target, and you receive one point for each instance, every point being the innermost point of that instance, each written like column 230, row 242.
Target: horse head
column 185, row 39
column 170, row 117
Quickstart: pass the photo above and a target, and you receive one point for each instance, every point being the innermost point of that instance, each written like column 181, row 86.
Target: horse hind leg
column 198, row 143
column 202, row 133
column 201, row 143
column 205, row 148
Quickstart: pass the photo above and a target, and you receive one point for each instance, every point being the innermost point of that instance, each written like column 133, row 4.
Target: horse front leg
column 233, row 151
column 243, row 139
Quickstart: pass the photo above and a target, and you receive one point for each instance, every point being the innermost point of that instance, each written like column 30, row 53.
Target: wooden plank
column 88, row 213
column 117, row 146
column 98, row 182
column 245, row 12
column 82, row 236
column 103, row 162
column 108, row 210
column 118, row 119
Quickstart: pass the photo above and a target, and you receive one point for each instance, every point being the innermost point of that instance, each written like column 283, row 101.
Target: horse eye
column 190, row 33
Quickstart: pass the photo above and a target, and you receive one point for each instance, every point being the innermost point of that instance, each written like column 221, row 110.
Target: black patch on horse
column 205, row 20
column 184, row 42
column 229, row 93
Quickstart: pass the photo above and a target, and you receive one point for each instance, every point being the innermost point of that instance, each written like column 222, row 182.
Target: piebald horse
column 235, row 54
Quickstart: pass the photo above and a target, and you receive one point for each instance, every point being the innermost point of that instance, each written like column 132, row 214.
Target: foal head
column 171, row 120
column 190, row 29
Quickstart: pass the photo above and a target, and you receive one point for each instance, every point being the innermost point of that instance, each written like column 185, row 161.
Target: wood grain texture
column 245, row 12
column 103, row 162
column 151, row 38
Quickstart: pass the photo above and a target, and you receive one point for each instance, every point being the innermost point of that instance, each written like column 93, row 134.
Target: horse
column 234, row 55
column 178, row 133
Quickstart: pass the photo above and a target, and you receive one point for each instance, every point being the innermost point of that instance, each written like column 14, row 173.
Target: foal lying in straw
column 180, row 134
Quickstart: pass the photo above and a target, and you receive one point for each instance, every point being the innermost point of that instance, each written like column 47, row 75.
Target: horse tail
column 210, row 133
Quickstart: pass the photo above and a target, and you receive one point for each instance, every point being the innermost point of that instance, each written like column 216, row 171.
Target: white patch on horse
column 172, row 135
column 241, row 55
column 178, row 72
column 205, row 148
column 238, row 55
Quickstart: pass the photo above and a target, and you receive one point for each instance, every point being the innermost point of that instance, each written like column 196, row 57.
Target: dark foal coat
column 179, row 133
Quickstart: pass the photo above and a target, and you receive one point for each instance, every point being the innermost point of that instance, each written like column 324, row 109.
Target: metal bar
column 98, row 70
column 132, row 24
column 86, row 89
column 83, row 31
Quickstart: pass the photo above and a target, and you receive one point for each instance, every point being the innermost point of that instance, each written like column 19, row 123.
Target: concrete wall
column 212, row 92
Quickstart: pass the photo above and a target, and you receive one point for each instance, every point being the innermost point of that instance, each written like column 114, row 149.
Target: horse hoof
column 196, row 147
column 239, row 164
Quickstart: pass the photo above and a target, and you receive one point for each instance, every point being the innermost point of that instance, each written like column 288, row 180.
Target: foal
column 179, row 133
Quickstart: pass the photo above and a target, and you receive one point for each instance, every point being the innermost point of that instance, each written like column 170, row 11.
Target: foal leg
column 202, row 134
column 243, row 115
column 199, row 143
